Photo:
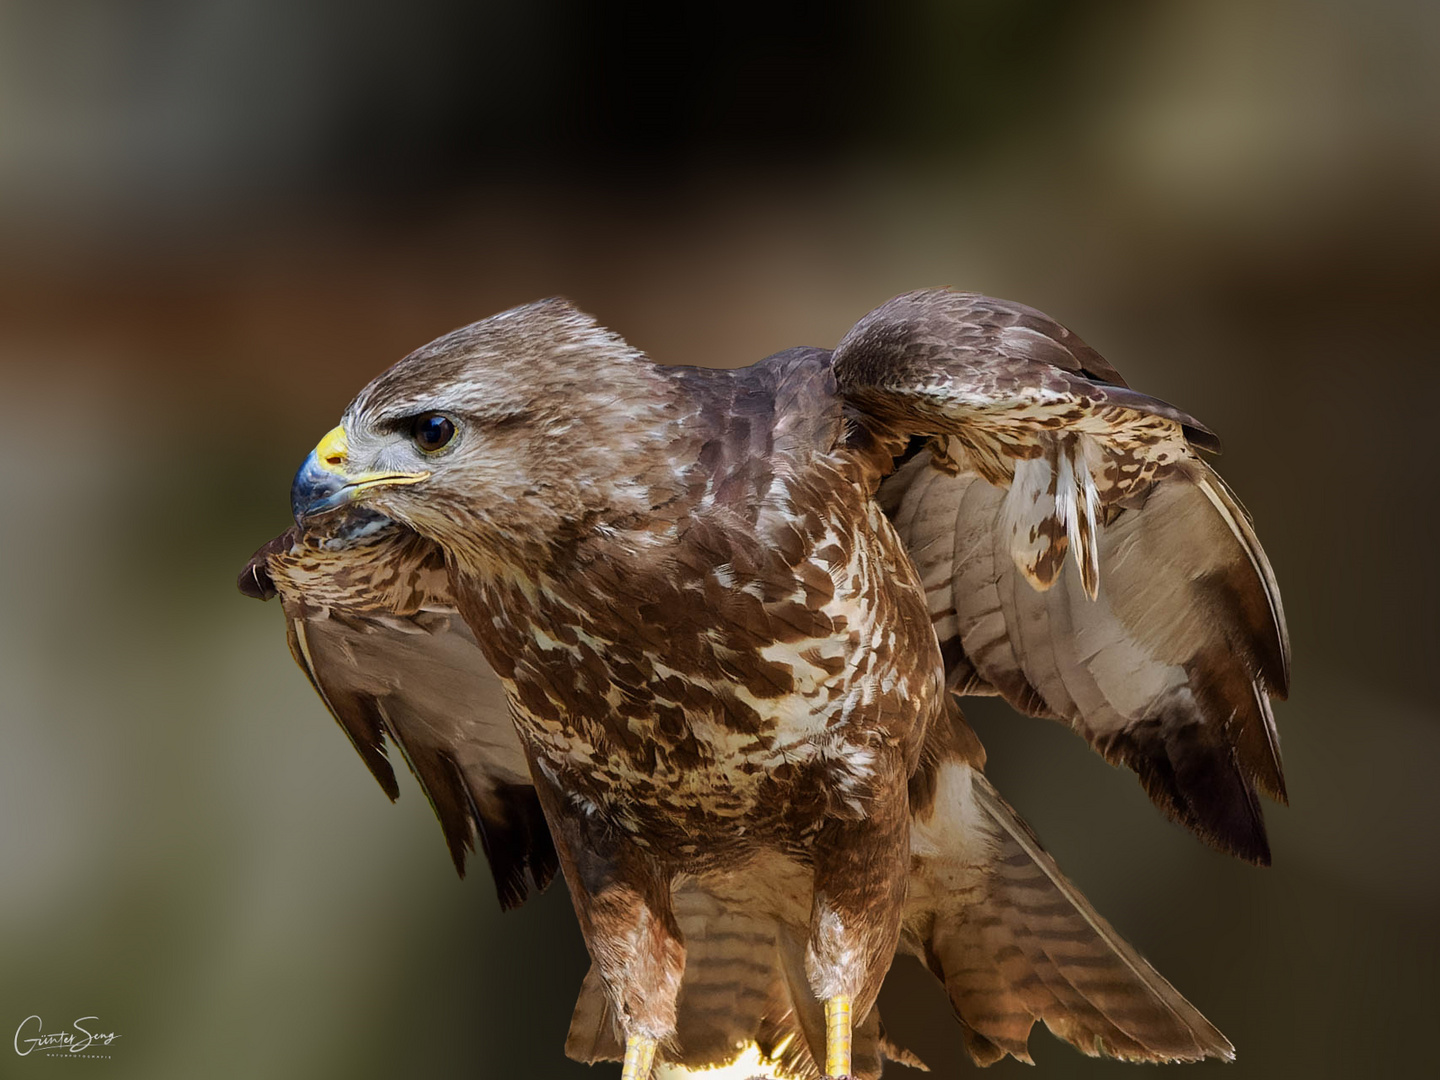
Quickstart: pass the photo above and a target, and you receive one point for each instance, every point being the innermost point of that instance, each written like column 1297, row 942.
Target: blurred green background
column 218, row 220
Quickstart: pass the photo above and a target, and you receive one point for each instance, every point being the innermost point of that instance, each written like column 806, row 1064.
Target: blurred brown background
column 219, row 219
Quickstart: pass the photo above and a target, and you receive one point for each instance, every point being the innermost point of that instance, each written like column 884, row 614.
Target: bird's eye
column 432, row 432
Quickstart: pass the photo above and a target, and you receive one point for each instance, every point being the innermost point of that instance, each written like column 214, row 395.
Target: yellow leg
column 639, row 1056
column 837, row 1036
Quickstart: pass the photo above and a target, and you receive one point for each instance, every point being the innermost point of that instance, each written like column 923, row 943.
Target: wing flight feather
column 1079, row 557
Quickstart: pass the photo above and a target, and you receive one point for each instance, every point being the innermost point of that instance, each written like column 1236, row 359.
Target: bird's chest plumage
column 759, row 673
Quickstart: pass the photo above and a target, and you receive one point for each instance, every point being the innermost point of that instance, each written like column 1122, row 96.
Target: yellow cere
column 332, row 450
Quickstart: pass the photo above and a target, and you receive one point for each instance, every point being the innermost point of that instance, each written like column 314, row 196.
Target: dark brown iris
column 433, row 431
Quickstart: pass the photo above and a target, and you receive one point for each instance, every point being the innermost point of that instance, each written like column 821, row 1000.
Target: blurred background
column 219, row 219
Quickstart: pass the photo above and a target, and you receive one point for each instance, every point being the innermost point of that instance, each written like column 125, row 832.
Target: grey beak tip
column 314, row 491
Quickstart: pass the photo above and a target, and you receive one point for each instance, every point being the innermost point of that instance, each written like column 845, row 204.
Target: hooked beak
column 324, row 482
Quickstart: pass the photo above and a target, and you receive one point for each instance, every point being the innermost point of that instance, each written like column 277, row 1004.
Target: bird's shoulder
column 785, row 404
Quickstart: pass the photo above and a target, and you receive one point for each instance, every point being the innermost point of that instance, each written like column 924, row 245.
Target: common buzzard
column 695, row 638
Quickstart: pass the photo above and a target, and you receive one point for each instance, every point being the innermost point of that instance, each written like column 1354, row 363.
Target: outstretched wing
column 371, row 622
column 1080, row 559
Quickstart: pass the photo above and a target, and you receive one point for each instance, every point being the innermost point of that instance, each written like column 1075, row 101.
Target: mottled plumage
column 704, row 622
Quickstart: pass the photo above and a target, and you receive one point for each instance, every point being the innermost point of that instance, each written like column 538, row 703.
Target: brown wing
column 1079, row 558
column 370, row 621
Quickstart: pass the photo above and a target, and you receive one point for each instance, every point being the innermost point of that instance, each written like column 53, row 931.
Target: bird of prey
column 695, row 638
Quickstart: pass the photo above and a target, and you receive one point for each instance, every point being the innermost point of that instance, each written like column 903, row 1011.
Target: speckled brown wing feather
column 370, row 622
column 1079, row 557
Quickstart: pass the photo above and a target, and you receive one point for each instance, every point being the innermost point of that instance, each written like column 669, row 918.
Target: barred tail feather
column 1014, row 942
column 744, row 994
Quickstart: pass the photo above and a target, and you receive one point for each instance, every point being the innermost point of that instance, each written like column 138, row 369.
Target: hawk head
column 499, row 431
